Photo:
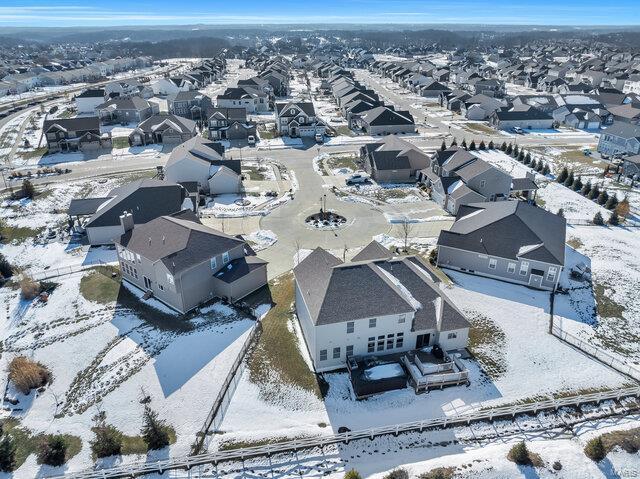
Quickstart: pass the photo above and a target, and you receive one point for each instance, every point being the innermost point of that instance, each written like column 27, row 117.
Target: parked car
column 251, row 140
column 319, row 138
column 357, row 178
column 518, row 131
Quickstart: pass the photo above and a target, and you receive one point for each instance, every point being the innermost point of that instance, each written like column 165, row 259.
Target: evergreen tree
column 6, row 271
column 482, row 146
column 472, row 145
column 560, row 213
column 594, row 193
column 503, row 147
column 352, row 474
column 613, row 219
column 595, row 449
column 52, row 451
column 521, row 156
column 597, row 219
column 27, row 189
column 509, row 149
column 546, row 170
column 7, row 453
column 464, row 143
column 443, row 146
column 603, row 197
column 586, row 189
column 154, row 431
column 515, row 151
column 577, row 184
column 491, row 145
column 527, row 158
column 533, row 164
column 569, row 179
column 563, row 175
column 540, row 166
column 520, row 454
column 108, row 440
column 454, row 142
column 612, row 202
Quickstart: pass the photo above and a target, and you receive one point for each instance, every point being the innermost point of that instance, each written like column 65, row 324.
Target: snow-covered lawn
column 385, row 192
column 107, row 357
column 235, row 205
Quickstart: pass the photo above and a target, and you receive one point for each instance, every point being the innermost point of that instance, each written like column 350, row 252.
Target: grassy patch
column 628, row 440
column 10, row 234
column 606, row 306
column 120, row 142
column 438, row 473
column 27, row 443
column 35, row 153
column 486, row 343
column 136, row 444
column 344, row 130
column 277, row 361
column 479, row 128
column 334, row 162
column 575, row 243
column 234, row 444
column 99, row 286
column 265, row 134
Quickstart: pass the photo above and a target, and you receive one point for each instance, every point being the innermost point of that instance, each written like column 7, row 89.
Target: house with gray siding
column 376, row 304
column 620, row 138
column 184, row 264
column 456, row 177
column 511, row 241
column 393, row 160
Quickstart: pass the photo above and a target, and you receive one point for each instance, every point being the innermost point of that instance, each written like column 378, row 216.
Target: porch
column 431, row 368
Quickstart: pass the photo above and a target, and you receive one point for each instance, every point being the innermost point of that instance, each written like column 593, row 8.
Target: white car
column 251, row 140
column 319, row 138
column 357, row 178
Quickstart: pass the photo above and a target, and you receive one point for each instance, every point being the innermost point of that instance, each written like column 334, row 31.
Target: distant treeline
column 204, row 47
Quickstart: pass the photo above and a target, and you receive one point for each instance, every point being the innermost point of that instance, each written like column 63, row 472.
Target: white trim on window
column 551, row 274
column 493, row 263
column 524, row 268
column 225, row 257
column 511, row 267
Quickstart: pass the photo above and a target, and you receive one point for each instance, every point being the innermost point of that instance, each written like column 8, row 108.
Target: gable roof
column 373, row 250
column 508, row 229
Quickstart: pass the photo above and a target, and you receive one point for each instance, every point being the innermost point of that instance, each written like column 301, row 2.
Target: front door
column 423, row 340
column 535, row 280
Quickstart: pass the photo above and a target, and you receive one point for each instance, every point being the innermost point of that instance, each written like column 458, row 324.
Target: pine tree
column 154, row 431
column 539, row 166
column 594, row 193
column 443, row 146
column 482, row 146
column 520, row 454
column 6, row 271
column 586, row 189
column 7, row 453
column 546, row 170
column 560, row 213
column 595, row 449
column 533, row 164
column 613, row 219
column 521, row 156
column 352, row 474
column 612, row 202
column 622, row 210
column 464, row 143
column 509, row 149
column 472, row 145
column 491, row 145
column 597, row 219
column 563, row 175
column 577, row 184
column 516, row 151
column 603, row 197
column 569, row 179
column 108, row 440
column 27, row 189
column 504, row 146
column 527, row 158
column 52, row 451
column 454, row 142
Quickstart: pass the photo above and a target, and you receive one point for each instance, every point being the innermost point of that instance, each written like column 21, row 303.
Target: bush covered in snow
column 397, row 474
column 26, row 374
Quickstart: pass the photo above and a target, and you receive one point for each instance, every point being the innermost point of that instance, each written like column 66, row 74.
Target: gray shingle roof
column 508, row 229
column 373, row 250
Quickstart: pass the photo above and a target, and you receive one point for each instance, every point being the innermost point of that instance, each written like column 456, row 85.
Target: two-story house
column 620, row 138
column 374, row 305
column 190, row 104
column 74, row 134
column 185, row 264
column 298, row 119
column 230, row 124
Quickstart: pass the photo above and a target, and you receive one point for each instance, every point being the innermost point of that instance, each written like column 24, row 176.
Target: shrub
column 27, row 374
column 533, row 164
column 29, row 288
column 509, row 149
column 438, row 473
column 443, row 146
column 603, row 197
column 454, row 142
column 107, row 441
column 570, row 179
column 504, row 147
column 527, row 158
column 352, row 474
column 27, row 190
column 622, row 209
column 519, row 454
column 560, row 213
column 7, row 453
column 612, row 202
column 595, row 450
column 516, row 151
column 521, row 156
column 594, row 193
column 154, row 431
column 464, row 143
column 491, row 145
column 597, row 219
column 397, row 474
column 52, row 451
column 586, row 189
column 613, row 219
column 482, row 146
column 577, row 184
column 557, row 466
column 546, row 170
column 563, row 175
column 472, row 145
column 433, row 256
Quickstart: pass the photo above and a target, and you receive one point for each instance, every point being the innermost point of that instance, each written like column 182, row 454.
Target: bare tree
column 406, row 227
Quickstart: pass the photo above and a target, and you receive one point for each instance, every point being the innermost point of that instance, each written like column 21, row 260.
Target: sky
column 61, row 13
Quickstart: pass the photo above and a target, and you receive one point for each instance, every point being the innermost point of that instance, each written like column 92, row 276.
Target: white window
column 524, row 268
column 350, row 350
column 371, row 344
column 372, row 322
column 225, row 257
column 390, row 340
column 551, row 274
column 399, row 340
column 214, row 263
column 138, row 258
column 323, row 355
column 336, row 353
column 483, row 183
column 169, row 279
column 350, row 327
column 402, row 318
column 511, row 267
column 381, row 343
column 452, row 336
column 493, row 263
